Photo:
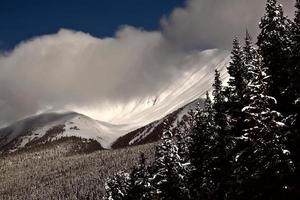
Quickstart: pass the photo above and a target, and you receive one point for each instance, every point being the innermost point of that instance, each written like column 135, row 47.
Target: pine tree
column 139, row 187
column 274, row 44
column 219, row 104
column 117, row 187
column 201, row 148
column 236, row 89
column 248, row 50
column 168, row 170
column 249, row 55
column 265, row 162
column 182, row 139
column 294, row 89
column 293, row 118
column 223, row 142
column 236, row 70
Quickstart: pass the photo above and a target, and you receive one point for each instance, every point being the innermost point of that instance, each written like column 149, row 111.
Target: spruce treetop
column 297, row 18
column 217, row 91
column 297, row 13
column 248, row 49
column 207, row 102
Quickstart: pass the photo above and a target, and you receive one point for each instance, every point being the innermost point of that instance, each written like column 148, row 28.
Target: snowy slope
column 172, row 103
column 190, row 85
column 152, row 132
column 49, row 127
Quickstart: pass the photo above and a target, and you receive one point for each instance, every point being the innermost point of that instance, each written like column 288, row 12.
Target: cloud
column 75, row 68
column 72, row 68
column 213, row 23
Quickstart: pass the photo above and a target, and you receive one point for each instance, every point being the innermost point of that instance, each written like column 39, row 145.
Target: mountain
column 50, row 127
column 195, row 78
column 82, row 131
column 134, row 123
column 152, row 132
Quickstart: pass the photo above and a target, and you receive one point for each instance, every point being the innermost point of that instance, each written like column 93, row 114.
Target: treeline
column 53, row 173
column 243, row 144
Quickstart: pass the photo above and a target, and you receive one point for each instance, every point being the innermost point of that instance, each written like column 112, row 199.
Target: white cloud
column 213, row 23
column 75, row 68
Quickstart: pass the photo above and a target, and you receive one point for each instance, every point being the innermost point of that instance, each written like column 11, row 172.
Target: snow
column 88, row 128
column 91, row 129
column 297, row 101
column 144, row 134
column 193, row 83
column 280, row 124
column 286, row 152
column 238, row 156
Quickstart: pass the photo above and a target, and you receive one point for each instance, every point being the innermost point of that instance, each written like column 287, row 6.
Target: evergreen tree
column 249, row 52
column 236, row 89
column 182, row 139
column 293, row 116
column 274, row 44
column 168, row 170
column 265, row 162
column 117, row 187
column 236, row 71
column 139, row 187
column 219, row 104
column 203, row 185
column 294, row 89
column 249, row 55
column 222, row 150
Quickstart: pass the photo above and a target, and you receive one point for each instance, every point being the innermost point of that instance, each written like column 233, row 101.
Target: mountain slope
column 152, row 132
column 50, row 127
column 196, row 78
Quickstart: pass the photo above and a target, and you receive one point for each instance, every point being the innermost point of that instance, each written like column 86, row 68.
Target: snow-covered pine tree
column 274, row 44
column 168, row 170
column 293, row 115
column 218, row 105
column 182, row 138
column 201, row 150
column 223, row 142
column 249, row 56
column 236, row 89
column 117, row 187
column 265, row 162
column 294, row 90
column 236, row 71
column 248, row 51
column 139, row 187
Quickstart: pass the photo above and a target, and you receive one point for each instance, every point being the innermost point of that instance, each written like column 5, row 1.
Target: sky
column 21, row 20
column 57, row 54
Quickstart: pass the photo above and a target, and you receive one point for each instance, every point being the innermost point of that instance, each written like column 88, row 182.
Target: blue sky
column 24, row 19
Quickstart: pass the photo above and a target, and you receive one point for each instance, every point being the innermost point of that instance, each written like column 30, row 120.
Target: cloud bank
column 213, row 23
column 75, row 68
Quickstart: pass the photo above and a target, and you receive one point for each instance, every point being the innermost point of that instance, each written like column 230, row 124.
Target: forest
column 244, row 143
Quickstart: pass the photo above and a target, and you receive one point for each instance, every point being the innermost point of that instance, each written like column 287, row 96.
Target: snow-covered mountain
column 136, row 122
column 152, row 132
column 196, row 78
column 49, row 127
